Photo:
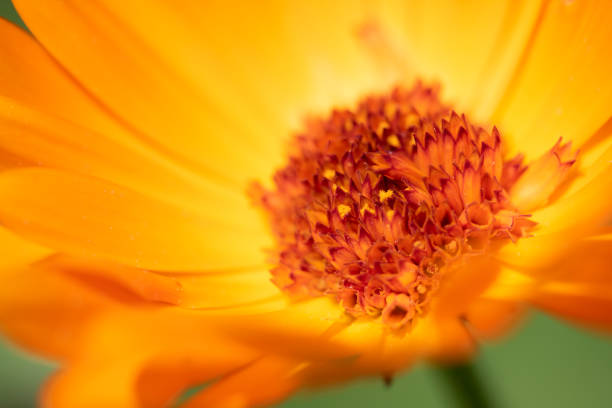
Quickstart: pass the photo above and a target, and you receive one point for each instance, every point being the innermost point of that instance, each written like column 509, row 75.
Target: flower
column 130, row 132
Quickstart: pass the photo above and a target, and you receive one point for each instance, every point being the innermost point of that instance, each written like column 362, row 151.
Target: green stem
column 464, row 383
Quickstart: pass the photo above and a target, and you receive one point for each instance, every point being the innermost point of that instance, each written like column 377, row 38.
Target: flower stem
column 466, row 386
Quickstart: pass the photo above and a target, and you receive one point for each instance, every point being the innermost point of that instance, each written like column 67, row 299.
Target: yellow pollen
column 412, row 143
column 381, row 128
column 383, row 195
column 393, row 140
column 343, row 210
column 367, row 208
column 329, row 173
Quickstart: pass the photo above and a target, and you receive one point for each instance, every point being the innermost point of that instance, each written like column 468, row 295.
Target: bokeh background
column 544, row 363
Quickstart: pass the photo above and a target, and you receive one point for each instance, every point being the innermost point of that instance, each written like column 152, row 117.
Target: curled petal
column 535, row 187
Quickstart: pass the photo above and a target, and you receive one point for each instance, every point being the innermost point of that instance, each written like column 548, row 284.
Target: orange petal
column 160, row 383
column 463, row 286
column 432, row 338
column 318, row 330
column 583, row 211
column 108, row 277
column 490, row 319
column 510, row 285
column 565, row 68
column 89, row 217
column 376, row 351
column 584, row 305
column 585, row 261
column 46, row 312
column 561, row 224
column 108, row 385
column 46, row 306
column 294, row 329
column 262, row 383
column 30, row 77
column 470, row 46
column 233, row 289
column 589, row 166
column 35, row 138
column 452, row 341
column 224, row 292
column 540, row 181
column 48, row 119
column 124, row 351
column 577, row 286
column 183, row 99
column 18, row 252
column 366, row 347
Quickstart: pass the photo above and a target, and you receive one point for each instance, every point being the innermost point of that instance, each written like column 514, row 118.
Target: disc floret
column 377, row 203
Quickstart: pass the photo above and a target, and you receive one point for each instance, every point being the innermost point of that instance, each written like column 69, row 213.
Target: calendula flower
column 265, row 196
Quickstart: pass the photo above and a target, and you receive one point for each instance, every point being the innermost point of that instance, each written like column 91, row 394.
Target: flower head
column 162, row 227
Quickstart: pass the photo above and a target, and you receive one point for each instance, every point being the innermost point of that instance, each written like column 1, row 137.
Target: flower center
column 377, row 203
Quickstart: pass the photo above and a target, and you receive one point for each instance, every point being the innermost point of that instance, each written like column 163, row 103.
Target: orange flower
column 393, row 230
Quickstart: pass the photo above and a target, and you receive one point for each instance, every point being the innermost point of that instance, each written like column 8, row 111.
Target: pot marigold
column 274, row 196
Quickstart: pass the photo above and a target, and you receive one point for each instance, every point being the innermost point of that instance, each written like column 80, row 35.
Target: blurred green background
column 545, row 363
